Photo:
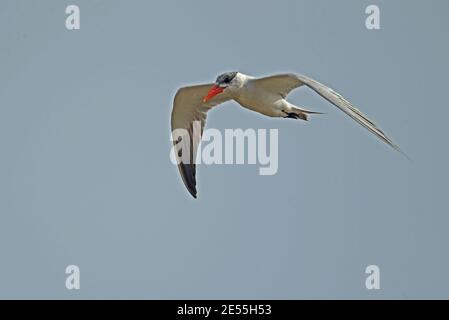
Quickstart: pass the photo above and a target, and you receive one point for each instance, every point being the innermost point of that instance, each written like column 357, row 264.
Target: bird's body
column 265, row 95
column 254, row 98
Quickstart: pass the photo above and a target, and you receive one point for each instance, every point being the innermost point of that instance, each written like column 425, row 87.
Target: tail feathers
column 298, row 113
column 312, row 112
column 301, row 116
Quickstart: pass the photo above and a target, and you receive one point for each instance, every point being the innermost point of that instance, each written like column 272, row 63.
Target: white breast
column 255, row 98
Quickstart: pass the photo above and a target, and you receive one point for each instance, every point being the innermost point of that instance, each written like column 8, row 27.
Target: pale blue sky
column 85, row 176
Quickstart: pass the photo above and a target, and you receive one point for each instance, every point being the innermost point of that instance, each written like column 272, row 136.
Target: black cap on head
column 226, row 78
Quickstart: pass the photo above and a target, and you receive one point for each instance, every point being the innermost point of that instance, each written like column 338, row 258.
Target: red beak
column 213, row 92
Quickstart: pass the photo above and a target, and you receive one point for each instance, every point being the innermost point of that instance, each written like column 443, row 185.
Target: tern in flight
column 265, row 95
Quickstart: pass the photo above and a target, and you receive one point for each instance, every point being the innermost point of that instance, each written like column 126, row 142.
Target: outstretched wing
column 188, row 119
column 283, row 84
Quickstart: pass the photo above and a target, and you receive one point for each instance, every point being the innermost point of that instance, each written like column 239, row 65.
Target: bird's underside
column 263, row 95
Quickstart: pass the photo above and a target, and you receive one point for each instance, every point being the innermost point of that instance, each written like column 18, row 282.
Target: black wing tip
column 395, row 147
column 193, row 193
column 188, row 177
column 192, row 189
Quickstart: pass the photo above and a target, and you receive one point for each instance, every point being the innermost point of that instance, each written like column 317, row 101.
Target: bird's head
column 224, row 82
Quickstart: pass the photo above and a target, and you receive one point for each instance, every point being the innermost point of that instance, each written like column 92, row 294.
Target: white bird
column 264, row 95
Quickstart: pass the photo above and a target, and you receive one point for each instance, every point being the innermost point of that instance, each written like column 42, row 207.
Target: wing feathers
column 188, row 111
column 283, row 84
column 188, row 107
column 344, row 105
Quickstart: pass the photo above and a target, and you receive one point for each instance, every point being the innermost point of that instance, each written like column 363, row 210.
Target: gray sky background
column 85, row 176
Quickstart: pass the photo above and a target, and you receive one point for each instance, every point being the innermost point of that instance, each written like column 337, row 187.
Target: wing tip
column 188, row 177
column 398, row 149
column 191, row 187
column 193, row 193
